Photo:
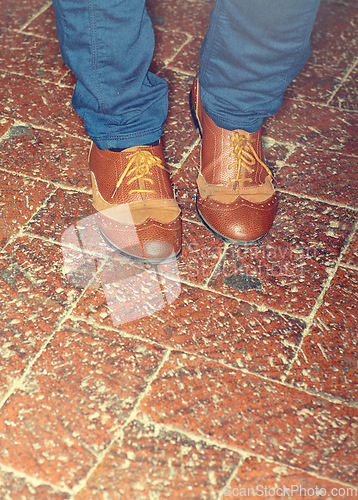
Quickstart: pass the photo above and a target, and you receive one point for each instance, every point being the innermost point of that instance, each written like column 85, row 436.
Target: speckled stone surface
column 179, row 122
column 43, row 104
column 44, row 24
column 16, row 16
column 254, row 475
column 34, row 294
column 329, row 354
column 16, row 208
column 47, row 156
column 351, row 255
column 267, row 418
column 167, row 46
column 153, row 463
column 314, row 125
column 19, row 487
column 56, row 216
column 5, row 125
column 344, row 97
column 235, row 333
column 47, row 64
column 80, row 401
column 175, row 15
column 202, row 378
column 331, row 176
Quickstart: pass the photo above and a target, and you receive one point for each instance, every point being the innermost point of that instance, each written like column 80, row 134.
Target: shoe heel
column 194, row 115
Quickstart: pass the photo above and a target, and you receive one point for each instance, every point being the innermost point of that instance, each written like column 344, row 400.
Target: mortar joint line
column 210, row 442
column 177, row 51
column 18, row 383
column 34, row 16
column 118, row 435
column 221, row 259
column 21, row 231
column 318, row 200
column 35, row 482
column 158, row 344
column 231, row 478
column 319, row 301
column 343, row 80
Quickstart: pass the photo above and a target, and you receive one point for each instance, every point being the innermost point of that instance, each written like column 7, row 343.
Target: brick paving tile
column 45, row 155
column 15, row 209
column 14, row 486
column 202, row 323
column 62, row 210
column 5, row 125
column 69, row 80
column 173, row 15
column 184, row 180
column 258, row 474
column 329, row 358
column 351, row 255
column 152, row 463
column 331, row 176
column 187, row 59
column 44, row 24
column 166, row 47
column 313, row 125
column 40, row 103
column 14, row 15
column 180, row 133
column 200, row 253
column 257, row 416
column 47, row 64
column 34, row 293
column 79, row 391
column 316, row 83
column 334, row 40
column 345, row 97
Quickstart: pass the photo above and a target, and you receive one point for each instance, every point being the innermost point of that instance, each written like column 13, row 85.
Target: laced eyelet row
column 138, row 168
column 245, row 158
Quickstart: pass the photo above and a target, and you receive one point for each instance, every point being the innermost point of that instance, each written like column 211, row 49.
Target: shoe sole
column 135, row 258
column 206, row 224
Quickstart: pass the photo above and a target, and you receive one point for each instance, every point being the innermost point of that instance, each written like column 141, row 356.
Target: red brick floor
column 233, row 368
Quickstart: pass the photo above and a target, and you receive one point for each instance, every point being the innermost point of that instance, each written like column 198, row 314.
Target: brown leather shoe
column 236, row 199
column 137, row 212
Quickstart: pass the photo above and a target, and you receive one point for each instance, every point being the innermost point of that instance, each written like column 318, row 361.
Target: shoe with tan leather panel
column 236, row 198
column 137, row 212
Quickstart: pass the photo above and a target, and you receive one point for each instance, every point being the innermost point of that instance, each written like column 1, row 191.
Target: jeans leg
column 252, row 51
column 109, row 44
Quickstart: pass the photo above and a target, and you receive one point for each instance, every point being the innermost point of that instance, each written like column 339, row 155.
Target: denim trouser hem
column 126, row 140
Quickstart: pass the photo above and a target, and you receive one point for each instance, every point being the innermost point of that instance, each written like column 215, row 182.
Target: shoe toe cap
column 242, row 222
column 151, row 241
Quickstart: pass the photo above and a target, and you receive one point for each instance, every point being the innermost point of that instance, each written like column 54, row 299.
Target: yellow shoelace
column 139, row 165
column 245, row 157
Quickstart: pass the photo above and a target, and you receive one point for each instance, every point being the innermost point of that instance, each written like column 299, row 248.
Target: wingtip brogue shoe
column 136, row 210
column 236, row 197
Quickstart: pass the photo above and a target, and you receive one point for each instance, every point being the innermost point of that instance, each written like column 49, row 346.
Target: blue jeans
column 252, row 51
